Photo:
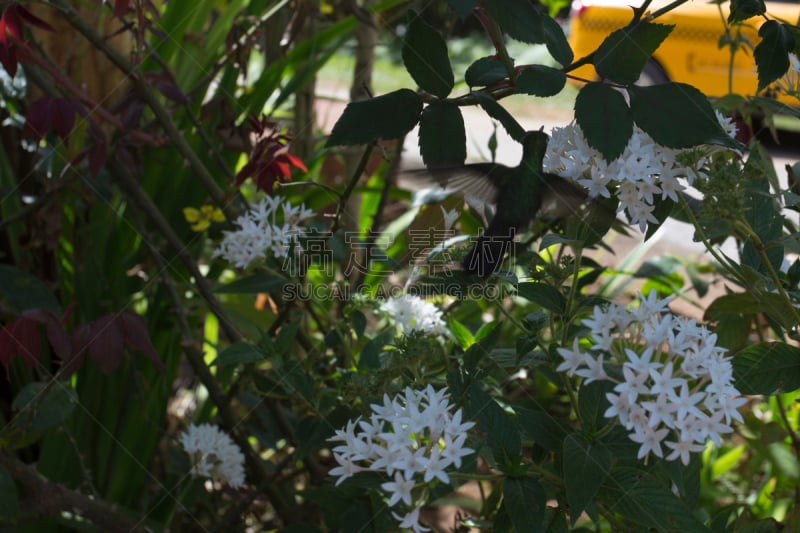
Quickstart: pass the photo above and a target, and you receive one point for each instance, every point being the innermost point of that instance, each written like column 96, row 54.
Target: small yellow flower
column 201, row 219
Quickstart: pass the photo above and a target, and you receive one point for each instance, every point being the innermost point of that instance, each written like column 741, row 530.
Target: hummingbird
column 520, row 194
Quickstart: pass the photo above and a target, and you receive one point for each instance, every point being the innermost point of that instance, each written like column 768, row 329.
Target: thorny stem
column 496, row 36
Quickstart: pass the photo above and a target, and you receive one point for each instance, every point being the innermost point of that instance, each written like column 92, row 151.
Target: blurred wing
column 475, row 180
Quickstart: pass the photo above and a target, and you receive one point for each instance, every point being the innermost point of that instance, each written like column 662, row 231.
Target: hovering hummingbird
column 520, row 194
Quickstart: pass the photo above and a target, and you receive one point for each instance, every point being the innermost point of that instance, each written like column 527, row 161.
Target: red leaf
column 20, row 338
column 106, row 344
column 33, row 20
column 296, row 162
column 136, row 338
column 8, row 57
column 39, row 119
column 121, row 7
column 13, row 22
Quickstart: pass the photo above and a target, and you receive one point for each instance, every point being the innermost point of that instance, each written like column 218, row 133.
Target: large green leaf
column 442, row 139
column 541, row 80
column 676, row 115
column 772, row 53
column 502, row 434
column 543, row 295
column 605, row 119
column 586, row 466
column 767, row 368
column 542, row 428
column 485, row 71
column 623, row 54
column 240, row 353
column 524, row 502
column 425, row 57
column 744, row 9
column 648, row 502
column 388, row 116
column 21, row 291
column 592, row 404
column 556, row 41
column 518, row 18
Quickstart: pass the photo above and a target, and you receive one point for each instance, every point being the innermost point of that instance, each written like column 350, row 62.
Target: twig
column 47, row 498
column 345, row 197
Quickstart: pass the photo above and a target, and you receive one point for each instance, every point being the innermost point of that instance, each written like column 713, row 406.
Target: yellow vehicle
column 691, row 53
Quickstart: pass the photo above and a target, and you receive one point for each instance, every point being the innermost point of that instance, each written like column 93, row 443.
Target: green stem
column 498, row 41
column 722, row 261
column 345, row 196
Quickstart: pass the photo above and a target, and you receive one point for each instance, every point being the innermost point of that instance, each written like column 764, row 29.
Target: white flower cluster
column 676, row 382
column 643, row 171
column 412, row 313
column 214, row 454
column 413, row 438
column 259, row 232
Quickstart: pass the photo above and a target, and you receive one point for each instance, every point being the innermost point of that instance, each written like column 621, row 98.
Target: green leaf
column 592, row 403
column 542, row 428
column 257, row 283
column 43, row 406
column 586, row 466
column 240, row 353
column 442, row 139
column 9, row 498
column 633, row 494
column 485, row 71
column 370, row 356
column 462, row 335
column 518, row 18
column 676, row 115
column 772, row 53
column 501, row 431
column 499, row 113
column 623, row 54
column 388, row 116
column 524, row 502
column 540, row 80
column 744, row 9
column 462, row 7
column 425, row 57
column 543, row 295
column 767, row 368
column 556, row 41
column 752, row 302
column 605, row 119
column 23, row 291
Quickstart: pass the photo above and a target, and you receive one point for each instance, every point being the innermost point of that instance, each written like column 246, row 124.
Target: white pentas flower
column 411, row 313
column 414, row 438
column 260, row 234
column 643, row 173
column 790, row 82
column 214, row 454
column 674, row 385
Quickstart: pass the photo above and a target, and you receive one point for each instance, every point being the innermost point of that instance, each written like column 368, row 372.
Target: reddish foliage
column 106, row 340
column 270, row 161
column 11, row 25
column 57, row 114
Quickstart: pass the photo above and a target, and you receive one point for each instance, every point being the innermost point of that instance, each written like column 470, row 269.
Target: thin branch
column 45, row 498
